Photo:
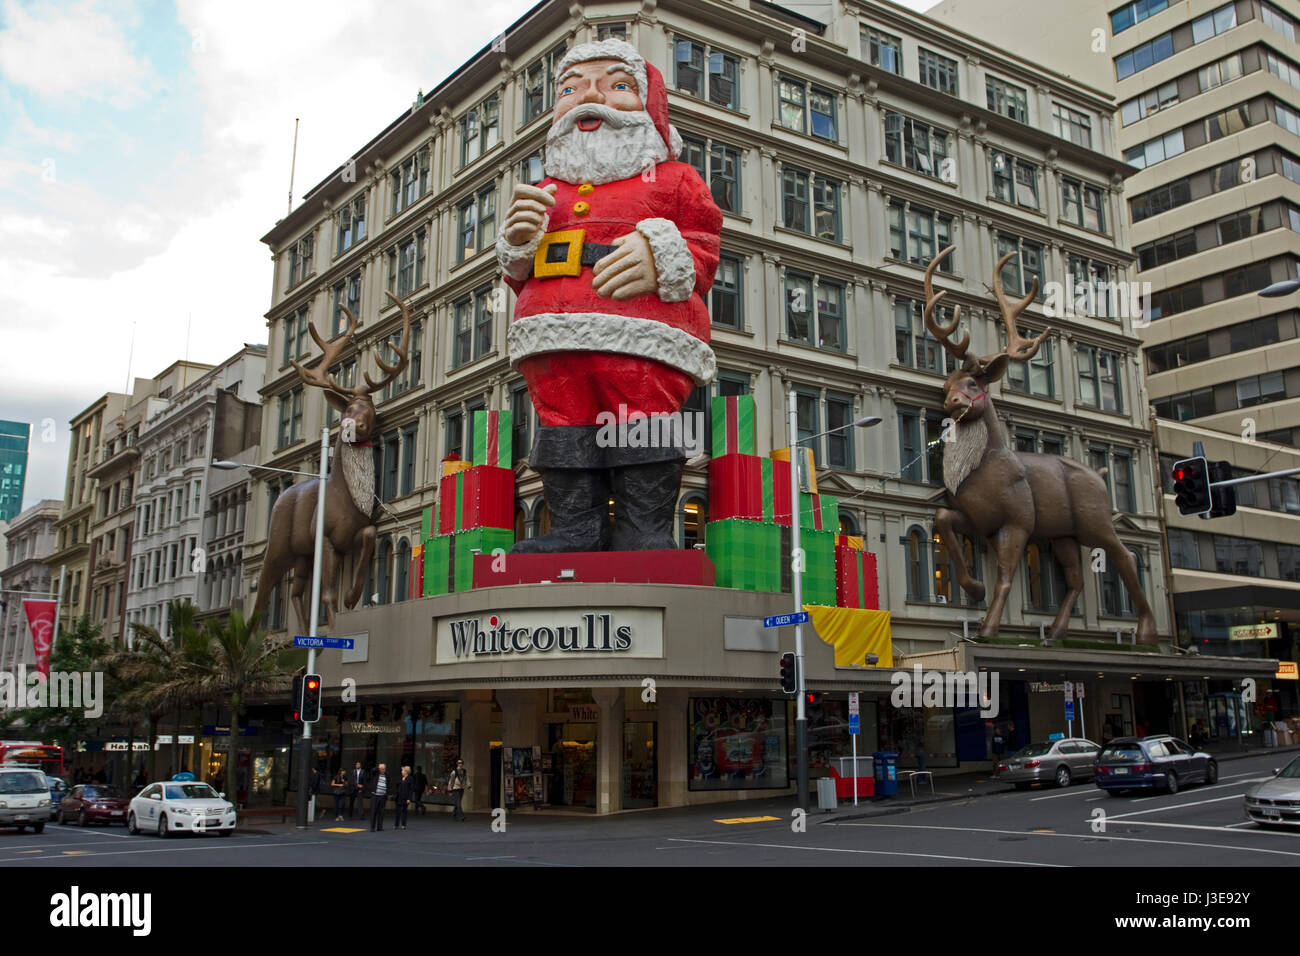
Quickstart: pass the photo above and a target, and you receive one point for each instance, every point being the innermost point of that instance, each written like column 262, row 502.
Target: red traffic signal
column 789, row 682
column 1192, row 486
column 311, row 698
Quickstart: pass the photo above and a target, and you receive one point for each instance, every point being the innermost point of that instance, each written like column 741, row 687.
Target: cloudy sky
column 145, row 147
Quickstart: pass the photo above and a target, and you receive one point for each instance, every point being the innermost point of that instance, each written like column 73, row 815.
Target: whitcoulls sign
column 550, row 633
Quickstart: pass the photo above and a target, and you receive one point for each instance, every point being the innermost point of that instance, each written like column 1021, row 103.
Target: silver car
column 1276, row 801
column 1056, row 761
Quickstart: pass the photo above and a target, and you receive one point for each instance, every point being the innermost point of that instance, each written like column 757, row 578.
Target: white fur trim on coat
column 517, row 261
column 603, row 332
column 673, row 260
column 611, row 49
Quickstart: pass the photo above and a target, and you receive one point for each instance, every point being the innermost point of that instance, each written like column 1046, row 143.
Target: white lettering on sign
column 550, row 632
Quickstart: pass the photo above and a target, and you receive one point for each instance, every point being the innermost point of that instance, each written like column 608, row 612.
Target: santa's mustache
column 615, row 119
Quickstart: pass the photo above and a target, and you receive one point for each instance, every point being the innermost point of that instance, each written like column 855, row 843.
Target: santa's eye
column 566, row 91
column 621, row 86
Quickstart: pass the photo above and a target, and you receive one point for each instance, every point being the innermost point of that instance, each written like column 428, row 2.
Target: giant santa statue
column 611, row 256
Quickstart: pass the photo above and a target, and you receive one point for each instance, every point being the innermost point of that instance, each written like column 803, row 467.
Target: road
column 1200, row 826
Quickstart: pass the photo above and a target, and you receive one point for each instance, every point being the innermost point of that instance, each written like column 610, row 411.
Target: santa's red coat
column 582, row 354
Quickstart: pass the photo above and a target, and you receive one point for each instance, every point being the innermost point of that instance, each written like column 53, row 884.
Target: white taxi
column 180, row 806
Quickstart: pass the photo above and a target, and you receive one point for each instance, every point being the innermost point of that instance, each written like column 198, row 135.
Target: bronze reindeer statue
column 349, row 490
column 1006, row 496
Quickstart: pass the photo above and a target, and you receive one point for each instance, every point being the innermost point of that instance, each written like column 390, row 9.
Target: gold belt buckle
column 545, row 266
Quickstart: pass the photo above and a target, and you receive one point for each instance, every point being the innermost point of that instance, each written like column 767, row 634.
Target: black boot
column 578, row 501
column 645, row 503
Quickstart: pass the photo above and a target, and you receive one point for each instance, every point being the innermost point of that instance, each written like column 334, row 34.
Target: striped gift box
column 494, row 439
column 853, row 541
column 807, row 468
column 449, row 559
column 741, row 486
column 416, row 577
column 818, row 582
column 480, row 497
column 735, row 429
column 745, row 554
column 856, row 582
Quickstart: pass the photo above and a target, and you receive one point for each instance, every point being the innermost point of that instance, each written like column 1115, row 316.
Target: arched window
column 946, row 585
column 521, row 523
column 1045, row 586
column 542, row 518
column 848, row 524
column 694, row 515
column 943, row 572
column 1115, row 599
column 403, row 574
column 917, row 544
column 385, row 569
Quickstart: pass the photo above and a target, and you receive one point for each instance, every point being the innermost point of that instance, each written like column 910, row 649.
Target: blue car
column 1158, row 762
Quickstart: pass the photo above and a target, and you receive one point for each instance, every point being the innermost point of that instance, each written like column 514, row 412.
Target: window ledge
column 746, row 331
column 499, row 145
column 692, row 98
column 1085, row 229
column 820, row 350
column 918, row 172
column 1040, row 213
column 749, row 220
column 475, row 259
column 924, row 371
column 457, row 369
column 778, row 127
column 955, row 276
column 840, row 243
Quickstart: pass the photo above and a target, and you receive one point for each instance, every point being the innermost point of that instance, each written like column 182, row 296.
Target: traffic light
column 789, row 682
column 311, row 695
column 1192, row 486
column 1224, row 500
column 295, row 700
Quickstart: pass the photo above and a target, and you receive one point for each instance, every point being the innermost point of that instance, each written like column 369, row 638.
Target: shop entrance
column 640, row 765
column 573, row 765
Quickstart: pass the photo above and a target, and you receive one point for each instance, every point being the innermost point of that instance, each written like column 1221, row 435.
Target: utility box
column 885, row 763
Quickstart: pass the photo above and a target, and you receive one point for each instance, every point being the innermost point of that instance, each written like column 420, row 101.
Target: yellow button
column 581, row 208
column 586, row 189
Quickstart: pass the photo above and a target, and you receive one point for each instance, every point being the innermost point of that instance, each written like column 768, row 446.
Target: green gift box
column 735, row 429
column 449, row 558
column 745, row 554
column 494, row 439
column 426, row 524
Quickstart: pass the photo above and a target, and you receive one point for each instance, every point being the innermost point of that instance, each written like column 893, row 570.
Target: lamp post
column 1279, row 289
column 796, row 568
column 304, row 761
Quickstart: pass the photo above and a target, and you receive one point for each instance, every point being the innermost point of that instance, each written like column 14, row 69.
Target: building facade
column 845, row 153
column 30, row 540
column 14, row 437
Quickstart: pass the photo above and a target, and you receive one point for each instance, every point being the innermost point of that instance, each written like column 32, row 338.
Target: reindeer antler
column 319, row 375
column 1018, row 348
column 402, row 349
column 942, row 332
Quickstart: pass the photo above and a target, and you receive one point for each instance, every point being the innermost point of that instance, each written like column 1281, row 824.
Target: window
column 1163, row 198
column 913, row 344
column 917, row 234
column 1083, row 205
column 1015, row 180
column 476, row 222
column 839, row 437
column 403, row 586
column 1037, row 376
column 388, row 474
column 1100, row 378
column 1133, row 12
column 1149, row 103
column 1238, row 555
column 883, row 50
column 453, row 426
column 937, row 71
column 1282, row 68
column 1093, row 290
column 410, row 377
column 1288, row 562
column 480, row 130
column 351, row 224
column 345, row 373
column 1223, row 71
column 1115, row 599
column 1072, row 125
column 533, row 169
column 1167, row 249
column 920, row 445
column 1007, row 99
column 822, row 217
column 409, row 181
column 707, row 74
column 1025, row 266
column 1230, row 121
column 1277, row 20
column 1260, row 389
column 473, row 327
column 347, row 294
column 300, row 256
column 290, row 409
column 718, row 165
column 521, row 409
column 1184, row 551
column 295, row 335
column 1212, row 24
column 607, row 31
column 1284, row 116
column 1155, row 150
column 539, row 84
column 828, row 332
column 1141, row 57
column 1119, row 474
column 406, row 265
column 806, row 108
column 726, row 300
column 917, row 548
column 915, row 145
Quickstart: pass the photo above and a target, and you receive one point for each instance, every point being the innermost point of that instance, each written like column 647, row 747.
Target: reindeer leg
column 948, row 522
column 1127, row 566
column 366, row 539
column 301, row 575
column 328, row 576
column 1009, row 543
column 1067, row 552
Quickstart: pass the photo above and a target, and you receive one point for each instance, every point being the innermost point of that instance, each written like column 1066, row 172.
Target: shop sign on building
column 1252, row 632
column 584, row 713
column 547, row 633
column 1287, row 670
column 369, row 727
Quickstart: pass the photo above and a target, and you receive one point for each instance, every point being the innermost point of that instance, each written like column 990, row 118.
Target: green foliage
column 78, row 649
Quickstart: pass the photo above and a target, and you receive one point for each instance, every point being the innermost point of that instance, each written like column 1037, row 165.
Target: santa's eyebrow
column 570, row 72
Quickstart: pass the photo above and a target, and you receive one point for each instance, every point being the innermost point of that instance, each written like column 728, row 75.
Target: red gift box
column 479, row 497
column 416, row 578
column 736, row 487
column 856, row 583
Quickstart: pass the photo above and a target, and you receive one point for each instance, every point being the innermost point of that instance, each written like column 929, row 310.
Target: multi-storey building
column 1207, row 117
column 169, row 557
column 845, row 152
column 13, row 467
column 29, row 542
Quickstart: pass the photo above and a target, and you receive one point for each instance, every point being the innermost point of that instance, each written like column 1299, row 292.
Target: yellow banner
column 854, row 633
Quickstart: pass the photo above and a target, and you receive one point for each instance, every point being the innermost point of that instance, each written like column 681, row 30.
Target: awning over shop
column 1081, row 661
column 854, row 633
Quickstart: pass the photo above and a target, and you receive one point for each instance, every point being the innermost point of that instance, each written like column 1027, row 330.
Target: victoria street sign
column 338, row 643
column 785, row 620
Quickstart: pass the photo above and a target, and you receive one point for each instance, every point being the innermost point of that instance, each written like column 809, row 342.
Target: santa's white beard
column 625, row 145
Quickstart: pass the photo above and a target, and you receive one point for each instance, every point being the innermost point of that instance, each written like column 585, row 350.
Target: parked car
column 175, row 807
column 1276, row 802
column 24, row 798
column 93, row 803
column 1059, row 761
column 1157, row 762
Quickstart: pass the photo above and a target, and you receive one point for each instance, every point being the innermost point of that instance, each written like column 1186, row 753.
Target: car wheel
column 1211, row 772
column 1062, row 777
column 38, row 827
column 163, row 831
column 1023, row 786
column 131, row 827
column 81, row 818
column 1171, row 783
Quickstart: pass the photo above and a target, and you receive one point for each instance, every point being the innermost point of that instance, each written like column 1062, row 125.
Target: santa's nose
column 593, row 95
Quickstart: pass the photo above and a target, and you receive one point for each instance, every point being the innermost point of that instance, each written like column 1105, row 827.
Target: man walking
column 381, row 785
column 356, row 791
column 457, row 785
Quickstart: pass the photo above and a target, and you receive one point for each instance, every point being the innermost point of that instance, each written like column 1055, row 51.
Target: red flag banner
column 40, row 618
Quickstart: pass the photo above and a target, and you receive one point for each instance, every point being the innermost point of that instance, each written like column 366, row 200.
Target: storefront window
column 828, row 733
column 737, row 744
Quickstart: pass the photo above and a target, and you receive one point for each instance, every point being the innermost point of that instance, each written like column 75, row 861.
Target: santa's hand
column 628, row 271
column 527, row 211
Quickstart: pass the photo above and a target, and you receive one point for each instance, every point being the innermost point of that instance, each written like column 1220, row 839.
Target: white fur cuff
column 517, row 261
column 603, row 332
column 673, row 260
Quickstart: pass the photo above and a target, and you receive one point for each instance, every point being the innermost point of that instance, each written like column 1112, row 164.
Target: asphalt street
column 1200, row 826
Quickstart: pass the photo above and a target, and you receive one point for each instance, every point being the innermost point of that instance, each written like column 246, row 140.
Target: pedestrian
column 357, row 791
column 381, row 785
column 405, row 792
column 457, row 784
column 421, row 785
column 339, row 787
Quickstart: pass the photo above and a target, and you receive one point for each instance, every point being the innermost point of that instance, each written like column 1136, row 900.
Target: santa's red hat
column 649, row 81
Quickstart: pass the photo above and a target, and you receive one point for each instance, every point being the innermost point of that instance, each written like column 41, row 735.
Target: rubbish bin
column 885, row 763
column 826, row 799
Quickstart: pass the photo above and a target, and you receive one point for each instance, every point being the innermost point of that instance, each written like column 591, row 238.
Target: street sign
column 186, row 738
column 1057, row 736
column 1078, row 690
column 1069, row 690
column 853, row 704
column 337, row 643
column 855, row 723
column 784, row 620
column 1069, row 710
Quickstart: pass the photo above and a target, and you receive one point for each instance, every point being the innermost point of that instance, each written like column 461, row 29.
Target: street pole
column 796, row 569
column 304, row 761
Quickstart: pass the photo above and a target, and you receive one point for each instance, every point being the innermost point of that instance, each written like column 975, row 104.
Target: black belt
column 592, row 252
